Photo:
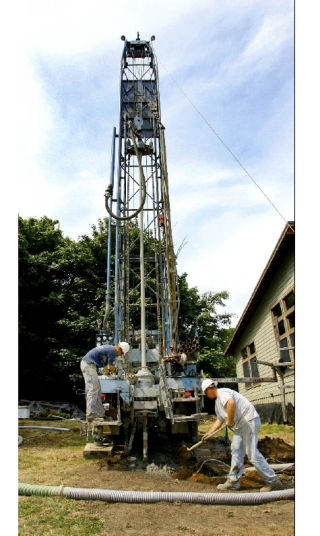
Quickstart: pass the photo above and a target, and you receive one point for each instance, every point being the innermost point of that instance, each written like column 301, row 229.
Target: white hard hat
column 208, row 383
column 124, row 347
column 183, row 359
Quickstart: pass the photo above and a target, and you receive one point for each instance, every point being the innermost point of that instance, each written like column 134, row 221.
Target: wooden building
column 265, row 332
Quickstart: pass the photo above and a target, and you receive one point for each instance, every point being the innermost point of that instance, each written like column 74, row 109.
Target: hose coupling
column 109, row 191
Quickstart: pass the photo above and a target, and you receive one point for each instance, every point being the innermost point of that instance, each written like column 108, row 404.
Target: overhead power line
column 224, row 144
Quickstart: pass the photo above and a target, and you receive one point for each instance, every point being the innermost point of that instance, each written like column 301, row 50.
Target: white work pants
column 245, row 441
column 93, row 391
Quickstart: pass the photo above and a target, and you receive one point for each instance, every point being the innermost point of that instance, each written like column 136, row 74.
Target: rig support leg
column 130, row 442
column 144, row 436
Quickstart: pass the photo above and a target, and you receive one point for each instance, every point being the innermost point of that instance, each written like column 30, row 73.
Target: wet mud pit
column 208, row 464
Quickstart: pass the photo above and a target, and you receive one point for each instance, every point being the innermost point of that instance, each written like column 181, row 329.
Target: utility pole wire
column 223, row 143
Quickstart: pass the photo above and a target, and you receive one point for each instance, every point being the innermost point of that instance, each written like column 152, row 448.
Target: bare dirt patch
column 55, row 458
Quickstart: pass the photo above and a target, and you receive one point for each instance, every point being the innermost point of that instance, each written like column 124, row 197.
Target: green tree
column 200, row 314
column 40, row 300
column 62, row 295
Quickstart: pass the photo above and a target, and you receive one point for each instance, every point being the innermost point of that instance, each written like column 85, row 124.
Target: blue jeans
column 245, row 441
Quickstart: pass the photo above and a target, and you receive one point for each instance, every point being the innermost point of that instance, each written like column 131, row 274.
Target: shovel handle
column 202, row 440
column 195, row 446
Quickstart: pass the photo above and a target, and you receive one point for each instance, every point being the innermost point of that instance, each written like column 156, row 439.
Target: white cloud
column 259, row 55
column 34, row 119
column 213, row 202
column 230, row 254
column 271, row 36
column 65, row 28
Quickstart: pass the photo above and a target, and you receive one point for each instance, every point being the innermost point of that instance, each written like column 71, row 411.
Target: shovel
column 184, row 450
column 189, row 449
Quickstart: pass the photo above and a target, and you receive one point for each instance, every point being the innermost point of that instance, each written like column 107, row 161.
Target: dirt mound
column 214, row 460
column 198, row 477
column 275, row 449
column 251, row 480
column 184, row 454
column 184, row 473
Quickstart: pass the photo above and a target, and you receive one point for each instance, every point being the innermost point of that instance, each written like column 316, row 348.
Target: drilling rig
column 156, row 386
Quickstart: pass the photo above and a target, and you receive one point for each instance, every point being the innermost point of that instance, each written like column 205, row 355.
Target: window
column 283, row 323
column 289, row 300
column 249, row 365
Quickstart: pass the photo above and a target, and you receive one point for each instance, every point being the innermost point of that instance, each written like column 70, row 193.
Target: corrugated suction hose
column 113, row 495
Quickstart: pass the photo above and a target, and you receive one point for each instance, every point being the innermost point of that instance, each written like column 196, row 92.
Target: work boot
column 274, row 485
column 229, row 484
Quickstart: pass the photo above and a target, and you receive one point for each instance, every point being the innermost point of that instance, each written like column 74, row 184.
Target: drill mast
column 140, row 200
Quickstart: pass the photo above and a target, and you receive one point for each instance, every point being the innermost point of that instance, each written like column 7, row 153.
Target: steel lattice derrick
column 141, row 201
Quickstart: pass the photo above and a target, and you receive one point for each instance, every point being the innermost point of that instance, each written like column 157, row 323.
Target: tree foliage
column 204, row 314
column 62, row 295
column 61, row 291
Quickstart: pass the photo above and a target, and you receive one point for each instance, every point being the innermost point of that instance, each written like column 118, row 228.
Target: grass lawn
column 282, row 431
column 61, row 517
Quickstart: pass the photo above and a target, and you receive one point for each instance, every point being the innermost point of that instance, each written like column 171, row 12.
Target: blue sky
column 235, row 62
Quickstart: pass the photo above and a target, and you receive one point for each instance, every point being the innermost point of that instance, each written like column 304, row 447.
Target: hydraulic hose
column 107, row 311
column 46, row 428
column 113, row 495
column 109, row 190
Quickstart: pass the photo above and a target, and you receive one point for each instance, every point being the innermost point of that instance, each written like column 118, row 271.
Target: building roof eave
column 284, row 241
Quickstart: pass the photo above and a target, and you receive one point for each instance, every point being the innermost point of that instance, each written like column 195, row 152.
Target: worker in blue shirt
column 101, row 356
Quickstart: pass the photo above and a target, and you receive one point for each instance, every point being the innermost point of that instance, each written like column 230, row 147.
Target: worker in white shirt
column 236, row 411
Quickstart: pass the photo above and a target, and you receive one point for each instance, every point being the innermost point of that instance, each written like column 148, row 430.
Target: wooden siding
column 260, row 331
